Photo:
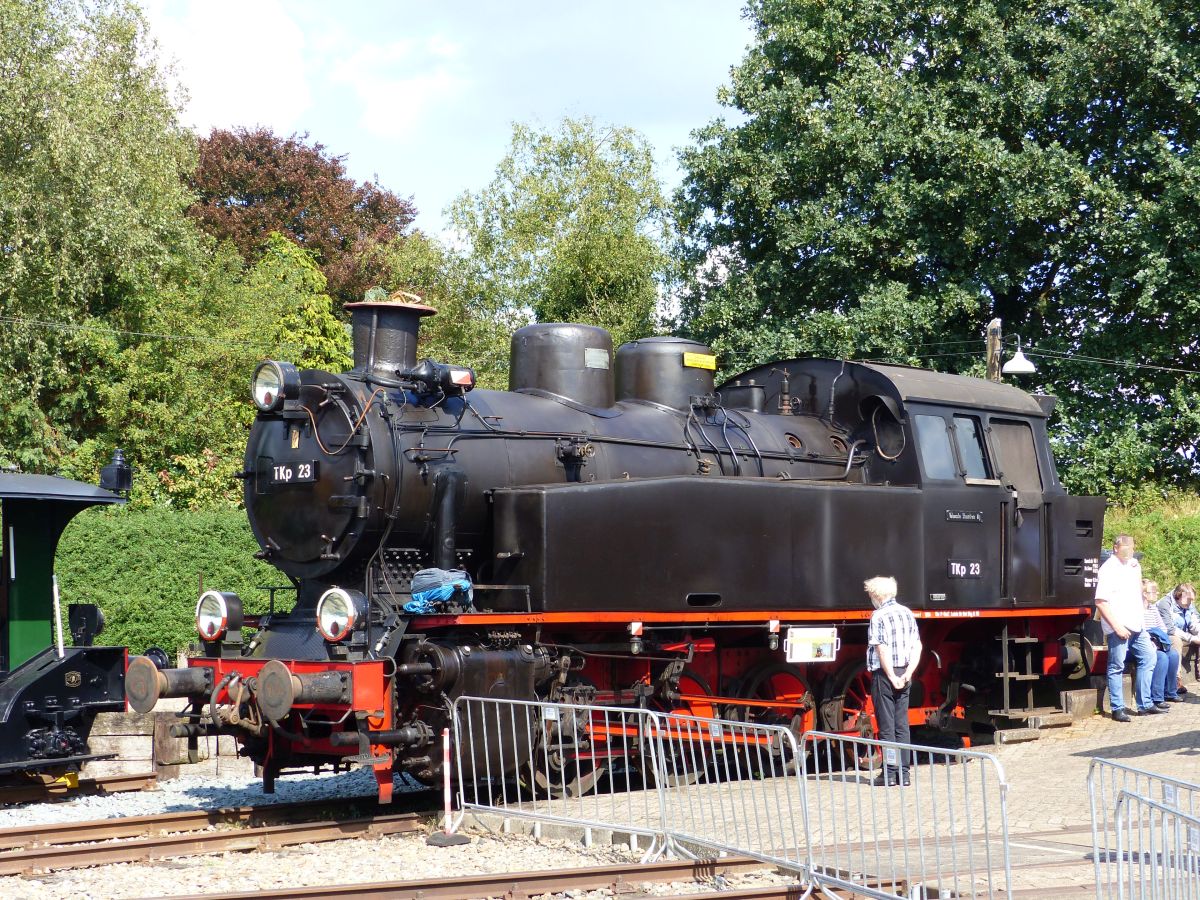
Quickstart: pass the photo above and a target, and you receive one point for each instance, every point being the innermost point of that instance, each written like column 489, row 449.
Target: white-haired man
column 893, row 653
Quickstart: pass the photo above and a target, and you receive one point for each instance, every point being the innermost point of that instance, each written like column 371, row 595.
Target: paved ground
column 1049, row 811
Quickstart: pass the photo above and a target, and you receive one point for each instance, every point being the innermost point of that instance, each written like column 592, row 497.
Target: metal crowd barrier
column 1158, row 850
column 731, row 787
column 1107, row 782
column 945, row 834
column 699, row 786
column 544, row 761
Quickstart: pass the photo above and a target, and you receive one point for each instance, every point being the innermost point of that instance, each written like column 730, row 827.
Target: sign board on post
column 811, row 645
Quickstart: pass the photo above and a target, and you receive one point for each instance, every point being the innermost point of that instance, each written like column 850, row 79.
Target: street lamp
column 1019, row 364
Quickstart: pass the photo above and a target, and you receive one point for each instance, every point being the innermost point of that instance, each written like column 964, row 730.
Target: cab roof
column 922, row 385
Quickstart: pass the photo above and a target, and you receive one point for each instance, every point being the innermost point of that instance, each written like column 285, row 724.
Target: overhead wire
column 102, row 329
column 1050, row 354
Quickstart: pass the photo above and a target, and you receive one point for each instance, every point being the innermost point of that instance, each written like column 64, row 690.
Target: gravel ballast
column 404, row 857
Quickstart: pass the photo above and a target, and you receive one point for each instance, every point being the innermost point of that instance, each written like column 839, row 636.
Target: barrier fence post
column 446, row 837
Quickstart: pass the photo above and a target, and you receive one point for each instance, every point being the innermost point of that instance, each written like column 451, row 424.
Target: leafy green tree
column 251, row 182
column 902, row 172
column 91, row 208
column 572, row 228
column 180, row 404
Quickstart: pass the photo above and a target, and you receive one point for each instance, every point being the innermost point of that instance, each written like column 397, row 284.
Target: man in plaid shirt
column 893, row 653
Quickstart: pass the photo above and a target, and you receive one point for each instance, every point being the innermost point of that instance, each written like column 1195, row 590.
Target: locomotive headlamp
column 338, row 611
column 274, row 382
column 217, row 614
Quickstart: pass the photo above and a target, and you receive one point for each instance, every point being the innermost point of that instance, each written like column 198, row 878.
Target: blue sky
column 424, row 95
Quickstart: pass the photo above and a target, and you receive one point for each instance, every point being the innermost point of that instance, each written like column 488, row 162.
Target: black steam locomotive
column 628, row 532
column 52, row 685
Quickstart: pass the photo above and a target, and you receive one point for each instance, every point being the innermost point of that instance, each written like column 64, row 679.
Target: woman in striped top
column 1163, row 685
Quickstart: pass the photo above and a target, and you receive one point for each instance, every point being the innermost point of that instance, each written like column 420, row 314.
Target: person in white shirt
column 1119, row 603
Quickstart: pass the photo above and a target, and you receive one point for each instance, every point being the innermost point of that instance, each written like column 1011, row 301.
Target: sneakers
column 1174, row 699
column 1153, row 710
column 1119, row 715
column 889, row 780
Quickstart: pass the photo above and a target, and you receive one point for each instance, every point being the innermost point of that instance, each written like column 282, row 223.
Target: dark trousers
column 891, row 714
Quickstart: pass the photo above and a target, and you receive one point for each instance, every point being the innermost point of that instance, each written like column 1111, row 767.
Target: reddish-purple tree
column 252, row 182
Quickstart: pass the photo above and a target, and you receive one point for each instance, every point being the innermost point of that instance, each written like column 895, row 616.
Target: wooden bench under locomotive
column 52, row 685
column 635, row 535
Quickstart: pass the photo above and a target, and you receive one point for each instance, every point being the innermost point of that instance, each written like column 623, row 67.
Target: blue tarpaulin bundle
column 432, row 589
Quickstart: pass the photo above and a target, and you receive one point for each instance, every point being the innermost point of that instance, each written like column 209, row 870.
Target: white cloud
column 241, row 63
column 400, row 83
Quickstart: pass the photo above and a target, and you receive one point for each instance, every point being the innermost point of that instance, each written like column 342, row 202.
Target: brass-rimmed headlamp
column 338, row 612
column 218, row 613
column 274, row 382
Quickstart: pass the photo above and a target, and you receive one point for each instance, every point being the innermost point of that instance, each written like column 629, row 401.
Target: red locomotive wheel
column 681, row 762
column 850, row 707
column 566, row 760
column 692, row 684
column 783, row 682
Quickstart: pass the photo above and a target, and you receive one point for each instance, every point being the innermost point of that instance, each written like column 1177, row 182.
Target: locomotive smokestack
column 385, row 334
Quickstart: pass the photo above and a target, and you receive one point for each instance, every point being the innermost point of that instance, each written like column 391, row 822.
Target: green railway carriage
column 53, row 682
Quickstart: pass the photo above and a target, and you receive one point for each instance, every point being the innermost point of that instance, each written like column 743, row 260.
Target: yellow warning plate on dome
column 700, row 361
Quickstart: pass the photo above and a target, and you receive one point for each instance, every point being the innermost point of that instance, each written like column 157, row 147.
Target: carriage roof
column 53, row 487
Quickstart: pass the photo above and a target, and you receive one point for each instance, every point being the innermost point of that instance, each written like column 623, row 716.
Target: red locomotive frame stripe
column 704, row 618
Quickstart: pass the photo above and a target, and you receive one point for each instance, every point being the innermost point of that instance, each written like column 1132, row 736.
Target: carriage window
column 969, row 439
column 936, row 454
column 1016, row 455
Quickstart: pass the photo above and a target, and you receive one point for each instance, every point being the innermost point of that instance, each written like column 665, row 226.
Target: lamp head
column 1019, row 364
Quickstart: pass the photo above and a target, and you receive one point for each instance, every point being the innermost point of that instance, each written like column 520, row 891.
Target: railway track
column 46, row 791
column 619, row 879
column 44, row 848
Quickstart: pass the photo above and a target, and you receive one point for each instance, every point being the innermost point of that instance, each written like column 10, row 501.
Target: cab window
column 936, row 454
column 1016, row 455
column 968, row 438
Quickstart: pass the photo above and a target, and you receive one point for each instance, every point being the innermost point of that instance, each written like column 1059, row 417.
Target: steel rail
column 267, row 837
column 167, row 823
column 617, row 878
column 39, row 792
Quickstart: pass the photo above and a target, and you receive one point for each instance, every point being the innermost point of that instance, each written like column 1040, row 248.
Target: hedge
column 143, row 568
column 1167, row 535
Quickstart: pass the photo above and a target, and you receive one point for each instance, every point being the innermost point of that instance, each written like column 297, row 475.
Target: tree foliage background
column 894, row 174
column 123, row 323
column 251, row 182
column 91, row 201
column 573, row 227
column 901, row 172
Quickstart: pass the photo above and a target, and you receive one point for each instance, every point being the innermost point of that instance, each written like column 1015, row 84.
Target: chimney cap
column 398, row 300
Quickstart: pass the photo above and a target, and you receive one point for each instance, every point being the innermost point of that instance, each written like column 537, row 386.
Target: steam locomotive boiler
column 634, row 534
